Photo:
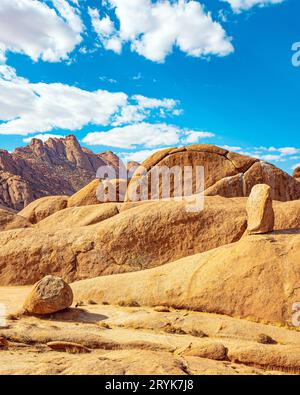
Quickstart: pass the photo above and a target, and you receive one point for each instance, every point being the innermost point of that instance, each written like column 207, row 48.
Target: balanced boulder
column 260, row 210
column 49, row 295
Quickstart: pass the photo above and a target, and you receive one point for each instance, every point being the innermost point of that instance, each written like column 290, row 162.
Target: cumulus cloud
column 38, row 107
column 268, row 154
column 192, row 137
column 138, row 156
column 144, row 134
column 242, row 5
column 153, row 29
column 142, row 107
column 106, row 31
column 39, row 31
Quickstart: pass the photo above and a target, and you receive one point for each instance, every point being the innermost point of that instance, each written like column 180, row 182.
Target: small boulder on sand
column 260, row 210
column 49, row 295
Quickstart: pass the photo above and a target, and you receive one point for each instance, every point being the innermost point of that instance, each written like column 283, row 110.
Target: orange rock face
column 109, row 238
column 137, row 238
column 49, row 295
column 260, row 210
column 43, row 208
column 9, row 220
column 226, row 173
column 244, row 279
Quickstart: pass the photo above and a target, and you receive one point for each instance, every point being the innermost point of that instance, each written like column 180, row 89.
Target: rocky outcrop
column 57, row 167
column 49, row 295
column 113, row 160
column 89, row 241
column 245, row 279
column 15, row 192
column 43, row 208
column 226, row 173
column 99, row 191
column 85, row 196
column 297, row 173
column 131, row 167
column 260, row 210
column 149, row 235
column 74, row 217
column 9, row 220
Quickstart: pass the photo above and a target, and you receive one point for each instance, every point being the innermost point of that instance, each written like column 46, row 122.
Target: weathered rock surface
column 114, row 161
column 260, row 210
column 140, row 237
column 9, row 220
column 112, row 190
column 225, row 173
column 125, row 340
column 287, row 215
column 15, row 192
column 256, row 277
column 49, row 295
column 99, row 191
column 56, row 167
column 215, row 351
column 74, row 217
column 297, row 173
column 85, row 196
column 44, row 207
column 75, row 244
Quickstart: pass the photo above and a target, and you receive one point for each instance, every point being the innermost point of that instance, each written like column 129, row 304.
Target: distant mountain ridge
column 59, row 166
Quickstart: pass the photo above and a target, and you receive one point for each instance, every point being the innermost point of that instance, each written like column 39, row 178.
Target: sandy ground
column 141, row 340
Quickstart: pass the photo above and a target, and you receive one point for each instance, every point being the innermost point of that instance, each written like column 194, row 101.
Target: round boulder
column 49, row 295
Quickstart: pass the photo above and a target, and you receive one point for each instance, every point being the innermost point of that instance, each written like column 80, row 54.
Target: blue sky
column 134, row 76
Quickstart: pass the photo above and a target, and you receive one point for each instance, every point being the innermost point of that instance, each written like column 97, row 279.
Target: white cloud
column 106, row 31
column 147, row 102
column 70, row 14
column 277, row 154
column 43, row 137
column 138, row 156
column 35, row 29
column 272, row 158
column 153, row 29
column 192, row 137
column 231, row 148
column 38, row 107
column 296, row 166
column 143, row 107
column 242, row 5
column 268, row 154
column 289, row 150
column 144, row 134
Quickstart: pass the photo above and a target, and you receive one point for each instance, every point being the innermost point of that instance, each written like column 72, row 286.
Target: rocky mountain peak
column 58, row 166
